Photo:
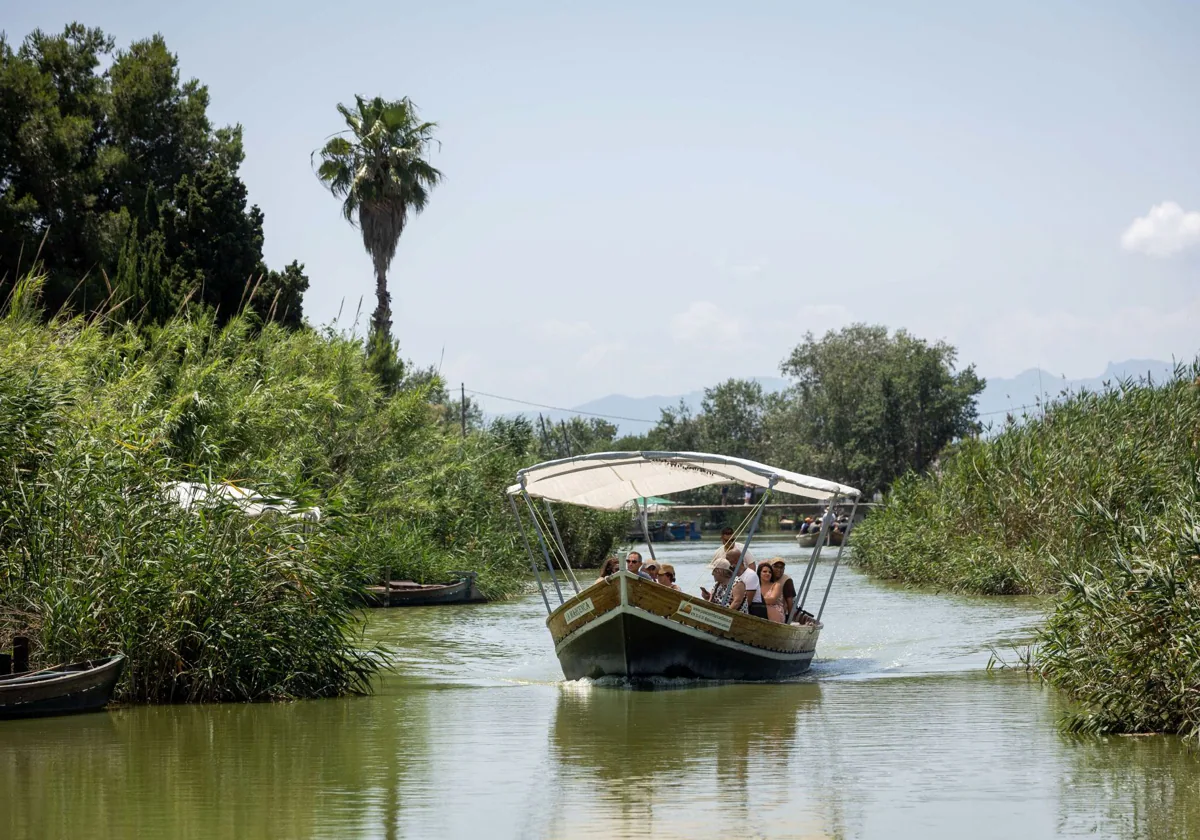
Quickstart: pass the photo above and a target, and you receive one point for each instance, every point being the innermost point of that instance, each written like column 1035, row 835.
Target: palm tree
column 377, row 166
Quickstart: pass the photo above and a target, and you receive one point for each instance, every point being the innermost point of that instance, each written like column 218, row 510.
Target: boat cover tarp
column 190, row 495
column 610, row 480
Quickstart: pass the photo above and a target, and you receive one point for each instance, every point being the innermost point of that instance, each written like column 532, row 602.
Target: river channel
column 899, row 731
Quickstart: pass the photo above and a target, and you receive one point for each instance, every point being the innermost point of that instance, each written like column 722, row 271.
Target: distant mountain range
column 1000, row 397
column 1007, row 396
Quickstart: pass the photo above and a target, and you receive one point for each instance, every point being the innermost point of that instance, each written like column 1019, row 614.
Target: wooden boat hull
column 84, row 687
column 809, row 540
column 460, row 592
column 629, row 627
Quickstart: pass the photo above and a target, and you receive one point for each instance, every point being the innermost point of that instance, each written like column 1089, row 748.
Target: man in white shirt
column 748, row 579
column 728, row 544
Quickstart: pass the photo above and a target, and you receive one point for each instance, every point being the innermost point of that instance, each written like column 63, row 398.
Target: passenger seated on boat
column 789, row 585
column 808, row 523
column 748, row 576
column 745, row 586
column 634, row 561
column 666, row 576
column 611, row 566
column 722, row 576
column 650, row 571
column 770, row 590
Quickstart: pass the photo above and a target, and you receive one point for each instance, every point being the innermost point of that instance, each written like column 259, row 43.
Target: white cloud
column 603, row 355
column 1164, row 231
column 705, row 320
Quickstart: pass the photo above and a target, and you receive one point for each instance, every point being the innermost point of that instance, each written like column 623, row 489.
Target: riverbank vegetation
column 1092, row 502
column 97, row 416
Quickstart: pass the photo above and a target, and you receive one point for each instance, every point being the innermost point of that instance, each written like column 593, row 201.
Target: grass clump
column 1093, row 503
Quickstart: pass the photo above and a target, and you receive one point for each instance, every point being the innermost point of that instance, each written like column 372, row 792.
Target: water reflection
column 678, row 761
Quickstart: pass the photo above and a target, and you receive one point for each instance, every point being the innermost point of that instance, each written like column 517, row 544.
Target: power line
column 557, row 408
column 1007, row 410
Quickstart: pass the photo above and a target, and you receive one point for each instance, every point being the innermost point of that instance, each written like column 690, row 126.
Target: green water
column 898, row 732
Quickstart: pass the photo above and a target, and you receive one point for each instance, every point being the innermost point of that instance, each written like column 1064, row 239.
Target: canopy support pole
column 746, row 545
column 542, row 542
column 529, row 550
column 562, row 548
column 811, row 571
column 646, row 529
column 837, row 560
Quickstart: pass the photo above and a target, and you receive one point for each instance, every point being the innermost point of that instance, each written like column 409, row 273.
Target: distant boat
column 684, row 530
column 407, row 593
column 809, row 540
column 66, row 689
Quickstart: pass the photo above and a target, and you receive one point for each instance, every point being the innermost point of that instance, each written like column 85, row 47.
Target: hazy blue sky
column 649, row 197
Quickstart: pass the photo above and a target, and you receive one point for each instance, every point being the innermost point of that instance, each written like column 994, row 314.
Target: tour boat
column 628, row 626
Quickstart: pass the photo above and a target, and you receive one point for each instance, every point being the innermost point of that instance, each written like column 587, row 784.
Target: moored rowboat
column 407, row 593
column 82, row 687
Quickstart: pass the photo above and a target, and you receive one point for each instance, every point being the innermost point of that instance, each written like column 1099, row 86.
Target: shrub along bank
column 1095, row 504
column 95, row 417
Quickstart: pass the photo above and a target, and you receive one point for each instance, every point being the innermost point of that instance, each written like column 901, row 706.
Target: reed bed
column 97, row 416
column 1095, row 504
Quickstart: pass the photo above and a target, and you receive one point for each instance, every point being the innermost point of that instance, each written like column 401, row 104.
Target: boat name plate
column 705, row 616
column 579, row 610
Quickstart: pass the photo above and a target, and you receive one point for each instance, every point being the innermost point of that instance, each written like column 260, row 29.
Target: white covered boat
column 624, row 625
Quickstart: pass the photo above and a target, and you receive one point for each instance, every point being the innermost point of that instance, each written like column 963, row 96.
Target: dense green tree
column 732, row 419
column 677, row 431
column 115, row 181
column 574, row 436
column 377, row 165
column 867, row 406
column 280, row 295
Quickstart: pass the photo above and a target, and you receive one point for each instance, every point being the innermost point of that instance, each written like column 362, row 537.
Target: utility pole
column 545, row 437
column 463, row 393
column 566, row 438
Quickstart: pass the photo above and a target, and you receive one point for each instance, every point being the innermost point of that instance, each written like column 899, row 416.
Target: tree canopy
column 377, row 165
column 867, row 406
column 116, row 183
column 864, row 407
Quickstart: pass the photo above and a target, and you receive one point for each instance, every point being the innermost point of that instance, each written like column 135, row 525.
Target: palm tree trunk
column 381, row 319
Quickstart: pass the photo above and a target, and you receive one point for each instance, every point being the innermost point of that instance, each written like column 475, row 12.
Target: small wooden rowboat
column 82, row 687
column 407, row 593
column 631, row 627
column 808, row 539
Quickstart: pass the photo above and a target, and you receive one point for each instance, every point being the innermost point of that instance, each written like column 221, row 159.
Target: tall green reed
column 1093, row 503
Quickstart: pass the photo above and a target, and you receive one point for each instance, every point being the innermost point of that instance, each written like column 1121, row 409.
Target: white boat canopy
column 611, row 480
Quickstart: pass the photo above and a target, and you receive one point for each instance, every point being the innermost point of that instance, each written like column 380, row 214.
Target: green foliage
column 1094, row 503
column 866, row 406
column 119, row 186
column 378, row 167
column 1123, row 640
column 94, row 419
column 576, row 436
column 732, row 419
